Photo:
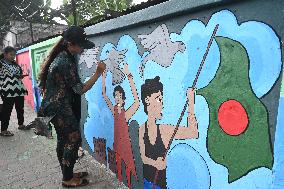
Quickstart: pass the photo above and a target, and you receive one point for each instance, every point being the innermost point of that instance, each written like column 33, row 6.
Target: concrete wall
column 237, row 100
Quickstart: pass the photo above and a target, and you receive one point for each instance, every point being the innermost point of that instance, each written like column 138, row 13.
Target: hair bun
column 157, row 78
column 148, row 81
column 151, row 81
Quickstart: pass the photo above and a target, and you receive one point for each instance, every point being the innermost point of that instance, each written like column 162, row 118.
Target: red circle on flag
column 232, row 117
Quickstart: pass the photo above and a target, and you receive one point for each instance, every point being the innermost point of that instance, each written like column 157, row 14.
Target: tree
column 25, row 10
column 22, row 17
column 32, row 11
column 14, row 10
column 90, row 11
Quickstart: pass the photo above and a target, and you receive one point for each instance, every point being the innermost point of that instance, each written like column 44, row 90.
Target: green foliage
column 23, row 10
column 39, row 11
column 91, row 10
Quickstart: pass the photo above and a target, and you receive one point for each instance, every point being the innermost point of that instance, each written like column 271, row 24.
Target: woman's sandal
column 6, row 133
column 83, row 182
column 80, row 174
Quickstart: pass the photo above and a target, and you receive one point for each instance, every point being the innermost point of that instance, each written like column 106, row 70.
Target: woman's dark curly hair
column 150, row 87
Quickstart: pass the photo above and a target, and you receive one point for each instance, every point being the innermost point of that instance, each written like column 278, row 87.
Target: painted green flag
column 238, row 132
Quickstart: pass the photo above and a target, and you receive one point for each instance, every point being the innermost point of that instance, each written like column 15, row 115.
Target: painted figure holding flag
column 154, row 138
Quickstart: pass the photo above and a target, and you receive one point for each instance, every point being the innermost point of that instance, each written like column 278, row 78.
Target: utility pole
column 32, row 33
column 74, row 12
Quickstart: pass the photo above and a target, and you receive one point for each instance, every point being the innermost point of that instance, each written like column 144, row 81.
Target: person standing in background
column 12, row 90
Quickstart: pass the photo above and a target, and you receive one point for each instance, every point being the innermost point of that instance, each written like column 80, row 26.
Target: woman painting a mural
column 154, row 138
column 122, row 143
column 59, row 81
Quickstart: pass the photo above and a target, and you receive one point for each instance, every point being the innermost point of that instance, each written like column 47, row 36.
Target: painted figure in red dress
column 122, row 142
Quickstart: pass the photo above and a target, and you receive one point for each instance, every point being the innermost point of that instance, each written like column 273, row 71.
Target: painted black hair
column 120, row 90
column 150, row 87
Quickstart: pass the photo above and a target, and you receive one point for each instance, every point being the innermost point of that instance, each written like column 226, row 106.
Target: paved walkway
column 29, row 161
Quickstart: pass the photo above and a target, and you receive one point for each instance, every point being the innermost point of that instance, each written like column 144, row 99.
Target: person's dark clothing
column 62, row 84
column 12, row 91
column 153, row 152
column 8, row 104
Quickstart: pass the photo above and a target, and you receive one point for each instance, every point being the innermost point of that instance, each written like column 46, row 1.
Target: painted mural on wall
column 89, row 57
column 223, row 140
column 23, row 59
column 39, row 52
column 39, row 56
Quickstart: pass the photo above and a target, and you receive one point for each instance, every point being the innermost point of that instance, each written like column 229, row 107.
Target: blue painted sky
column 263, row 48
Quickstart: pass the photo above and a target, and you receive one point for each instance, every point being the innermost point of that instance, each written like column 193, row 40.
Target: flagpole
column 185, row 106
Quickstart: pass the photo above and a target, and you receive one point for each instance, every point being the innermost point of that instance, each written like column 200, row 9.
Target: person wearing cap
column 59, row 83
